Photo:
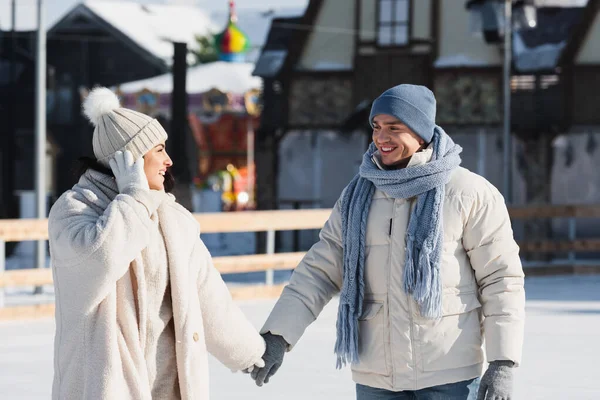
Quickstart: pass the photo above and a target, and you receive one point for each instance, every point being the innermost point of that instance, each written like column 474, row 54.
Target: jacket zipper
column 412, row 338
column 389, row 272
column 411, row 322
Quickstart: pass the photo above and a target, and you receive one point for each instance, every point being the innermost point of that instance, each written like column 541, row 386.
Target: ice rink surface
column 560, row 361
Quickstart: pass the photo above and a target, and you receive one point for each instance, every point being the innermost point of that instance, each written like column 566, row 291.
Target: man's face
column 395, row 141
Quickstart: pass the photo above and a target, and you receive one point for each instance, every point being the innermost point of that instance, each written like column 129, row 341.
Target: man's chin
column 397, row 163
column 389, row 160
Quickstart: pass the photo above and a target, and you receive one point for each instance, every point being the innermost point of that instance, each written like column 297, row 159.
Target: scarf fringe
column 346, row 345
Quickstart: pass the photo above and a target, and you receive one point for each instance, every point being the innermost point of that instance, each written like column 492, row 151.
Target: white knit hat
column 118, row 128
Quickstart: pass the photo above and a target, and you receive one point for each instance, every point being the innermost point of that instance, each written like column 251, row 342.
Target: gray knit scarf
column 424, row 237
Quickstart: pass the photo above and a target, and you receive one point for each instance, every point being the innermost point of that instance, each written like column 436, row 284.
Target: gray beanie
column 118, row 128
column 414, row 105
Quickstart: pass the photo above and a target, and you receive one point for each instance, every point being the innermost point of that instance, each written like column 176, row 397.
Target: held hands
column 497, row 381
column 129, row 174
column 273, row 358
column 258, row 364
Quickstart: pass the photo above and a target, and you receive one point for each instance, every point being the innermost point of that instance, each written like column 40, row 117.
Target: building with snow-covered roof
column 107, row 43
column 147, row 29
column 341, row 55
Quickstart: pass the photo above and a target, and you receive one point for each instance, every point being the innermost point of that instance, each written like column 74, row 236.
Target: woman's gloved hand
column 129, row 174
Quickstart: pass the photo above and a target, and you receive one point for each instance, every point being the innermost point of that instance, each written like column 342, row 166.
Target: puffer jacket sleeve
column 314, row 282
column 494, row 255
column 92, row 250
column 229, row 336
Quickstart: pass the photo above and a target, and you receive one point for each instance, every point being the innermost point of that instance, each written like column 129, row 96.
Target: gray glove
column 129, row 174
column 273, row 357
column 497, row 381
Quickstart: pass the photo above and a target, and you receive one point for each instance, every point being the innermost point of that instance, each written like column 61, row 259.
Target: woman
column 138, row 301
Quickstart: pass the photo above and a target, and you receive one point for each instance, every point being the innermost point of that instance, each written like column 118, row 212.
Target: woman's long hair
column 85, row 163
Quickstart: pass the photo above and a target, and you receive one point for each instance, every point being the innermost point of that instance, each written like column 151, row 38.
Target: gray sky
column 56, row 8
column 27, row 9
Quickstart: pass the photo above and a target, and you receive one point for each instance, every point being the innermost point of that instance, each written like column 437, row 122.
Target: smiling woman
column 132, row 276
column 156, row 164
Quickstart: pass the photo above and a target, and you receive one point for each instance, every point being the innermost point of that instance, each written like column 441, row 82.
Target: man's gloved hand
column 497, row 382
column 273, row 357
column 259, row 364
column 129, row 174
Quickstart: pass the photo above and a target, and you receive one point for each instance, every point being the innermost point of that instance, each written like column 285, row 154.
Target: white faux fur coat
column 96, row 240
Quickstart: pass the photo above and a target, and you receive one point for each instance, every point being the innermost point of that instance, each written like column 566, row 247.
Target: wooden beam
column 252, row 292
column 15, row 230
column 257, row 262
column 238, row 293
column 556, row 246
column 36, row 311
column 26, row 277
column 579, row 34
column 553, row 270
column 299, row 38
column 260, row 221
column 552, row 211
column 225, row 265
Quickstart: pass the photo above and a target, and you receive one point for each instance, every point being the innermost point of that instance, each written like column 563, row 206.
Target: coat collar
column 419, row 158
column 101, row 189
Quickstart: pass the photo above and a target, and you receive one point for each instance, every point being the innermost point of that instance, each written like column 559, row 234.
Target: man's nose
column 382, row 137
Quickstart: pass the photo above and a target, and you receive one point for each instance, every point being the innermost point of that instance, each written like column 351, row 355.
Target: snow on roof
column 459, row 60
column 537, row 58
column 227, row 77
column 561, row 3
column 269, row 63
column 154, row 27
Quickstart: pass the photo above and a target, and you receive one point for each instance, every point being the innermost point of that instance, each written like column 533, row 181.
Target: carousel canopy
column 224, row 76
column 232, row 43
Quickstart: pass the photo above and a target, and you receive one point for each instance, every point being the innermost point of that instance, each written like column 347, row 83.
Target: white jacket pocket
column 454, row 340
column 372, row 331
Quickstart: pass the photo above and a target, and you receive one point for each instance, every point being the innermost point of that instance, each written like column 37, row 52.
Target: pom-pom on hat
column 118, row 128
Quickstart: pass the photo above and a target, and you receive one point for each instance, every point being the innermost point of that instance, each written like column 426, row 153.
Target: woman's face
column 156, row 162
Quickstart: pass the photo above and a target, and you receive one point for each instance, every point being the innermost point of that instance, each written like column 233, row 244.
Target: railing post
column 269, row 274
column 2, row 269
column 572, row 236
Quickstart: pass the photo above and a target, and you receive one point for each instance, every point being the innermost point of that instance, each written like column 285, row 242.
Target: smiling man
column 395, row 141
column 421, row 252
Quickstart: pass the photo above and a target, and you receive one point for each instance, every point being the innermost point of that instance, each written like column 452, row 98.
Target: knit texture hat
column 118, row 128
column 412, row 104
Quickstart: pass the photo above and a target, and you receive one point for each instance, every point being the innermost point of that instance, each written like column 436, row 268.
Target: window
column 392, row 24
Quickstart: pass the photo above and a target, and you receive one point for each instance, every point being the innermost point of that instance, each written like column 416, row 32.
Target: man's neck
column 399, row 165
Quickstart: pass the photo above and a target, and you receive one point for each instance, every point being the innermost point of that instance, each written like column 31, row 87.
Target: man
column 422, row 254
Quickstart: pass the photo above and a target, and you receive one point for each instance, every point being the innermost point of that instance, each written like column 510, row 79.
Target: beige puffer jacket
column 483, row 295
column 97, row 242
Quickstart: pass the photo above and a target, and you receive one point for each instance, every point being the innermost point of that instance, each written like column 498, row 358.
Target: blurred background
column 266, row 104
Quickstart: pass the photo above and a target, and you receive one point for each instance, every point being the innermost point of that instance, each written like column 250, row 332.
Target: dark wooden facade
column 545, row 103
column 323, row 100
column 86, row 52
column 17, row 72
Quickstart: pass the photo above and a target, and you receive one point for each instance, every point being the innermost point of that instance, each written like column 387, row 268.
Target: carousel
column 223, row 114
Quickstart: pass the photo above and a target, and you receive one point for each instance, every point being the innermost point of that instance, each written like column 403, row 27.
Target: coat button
column 196, row 337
